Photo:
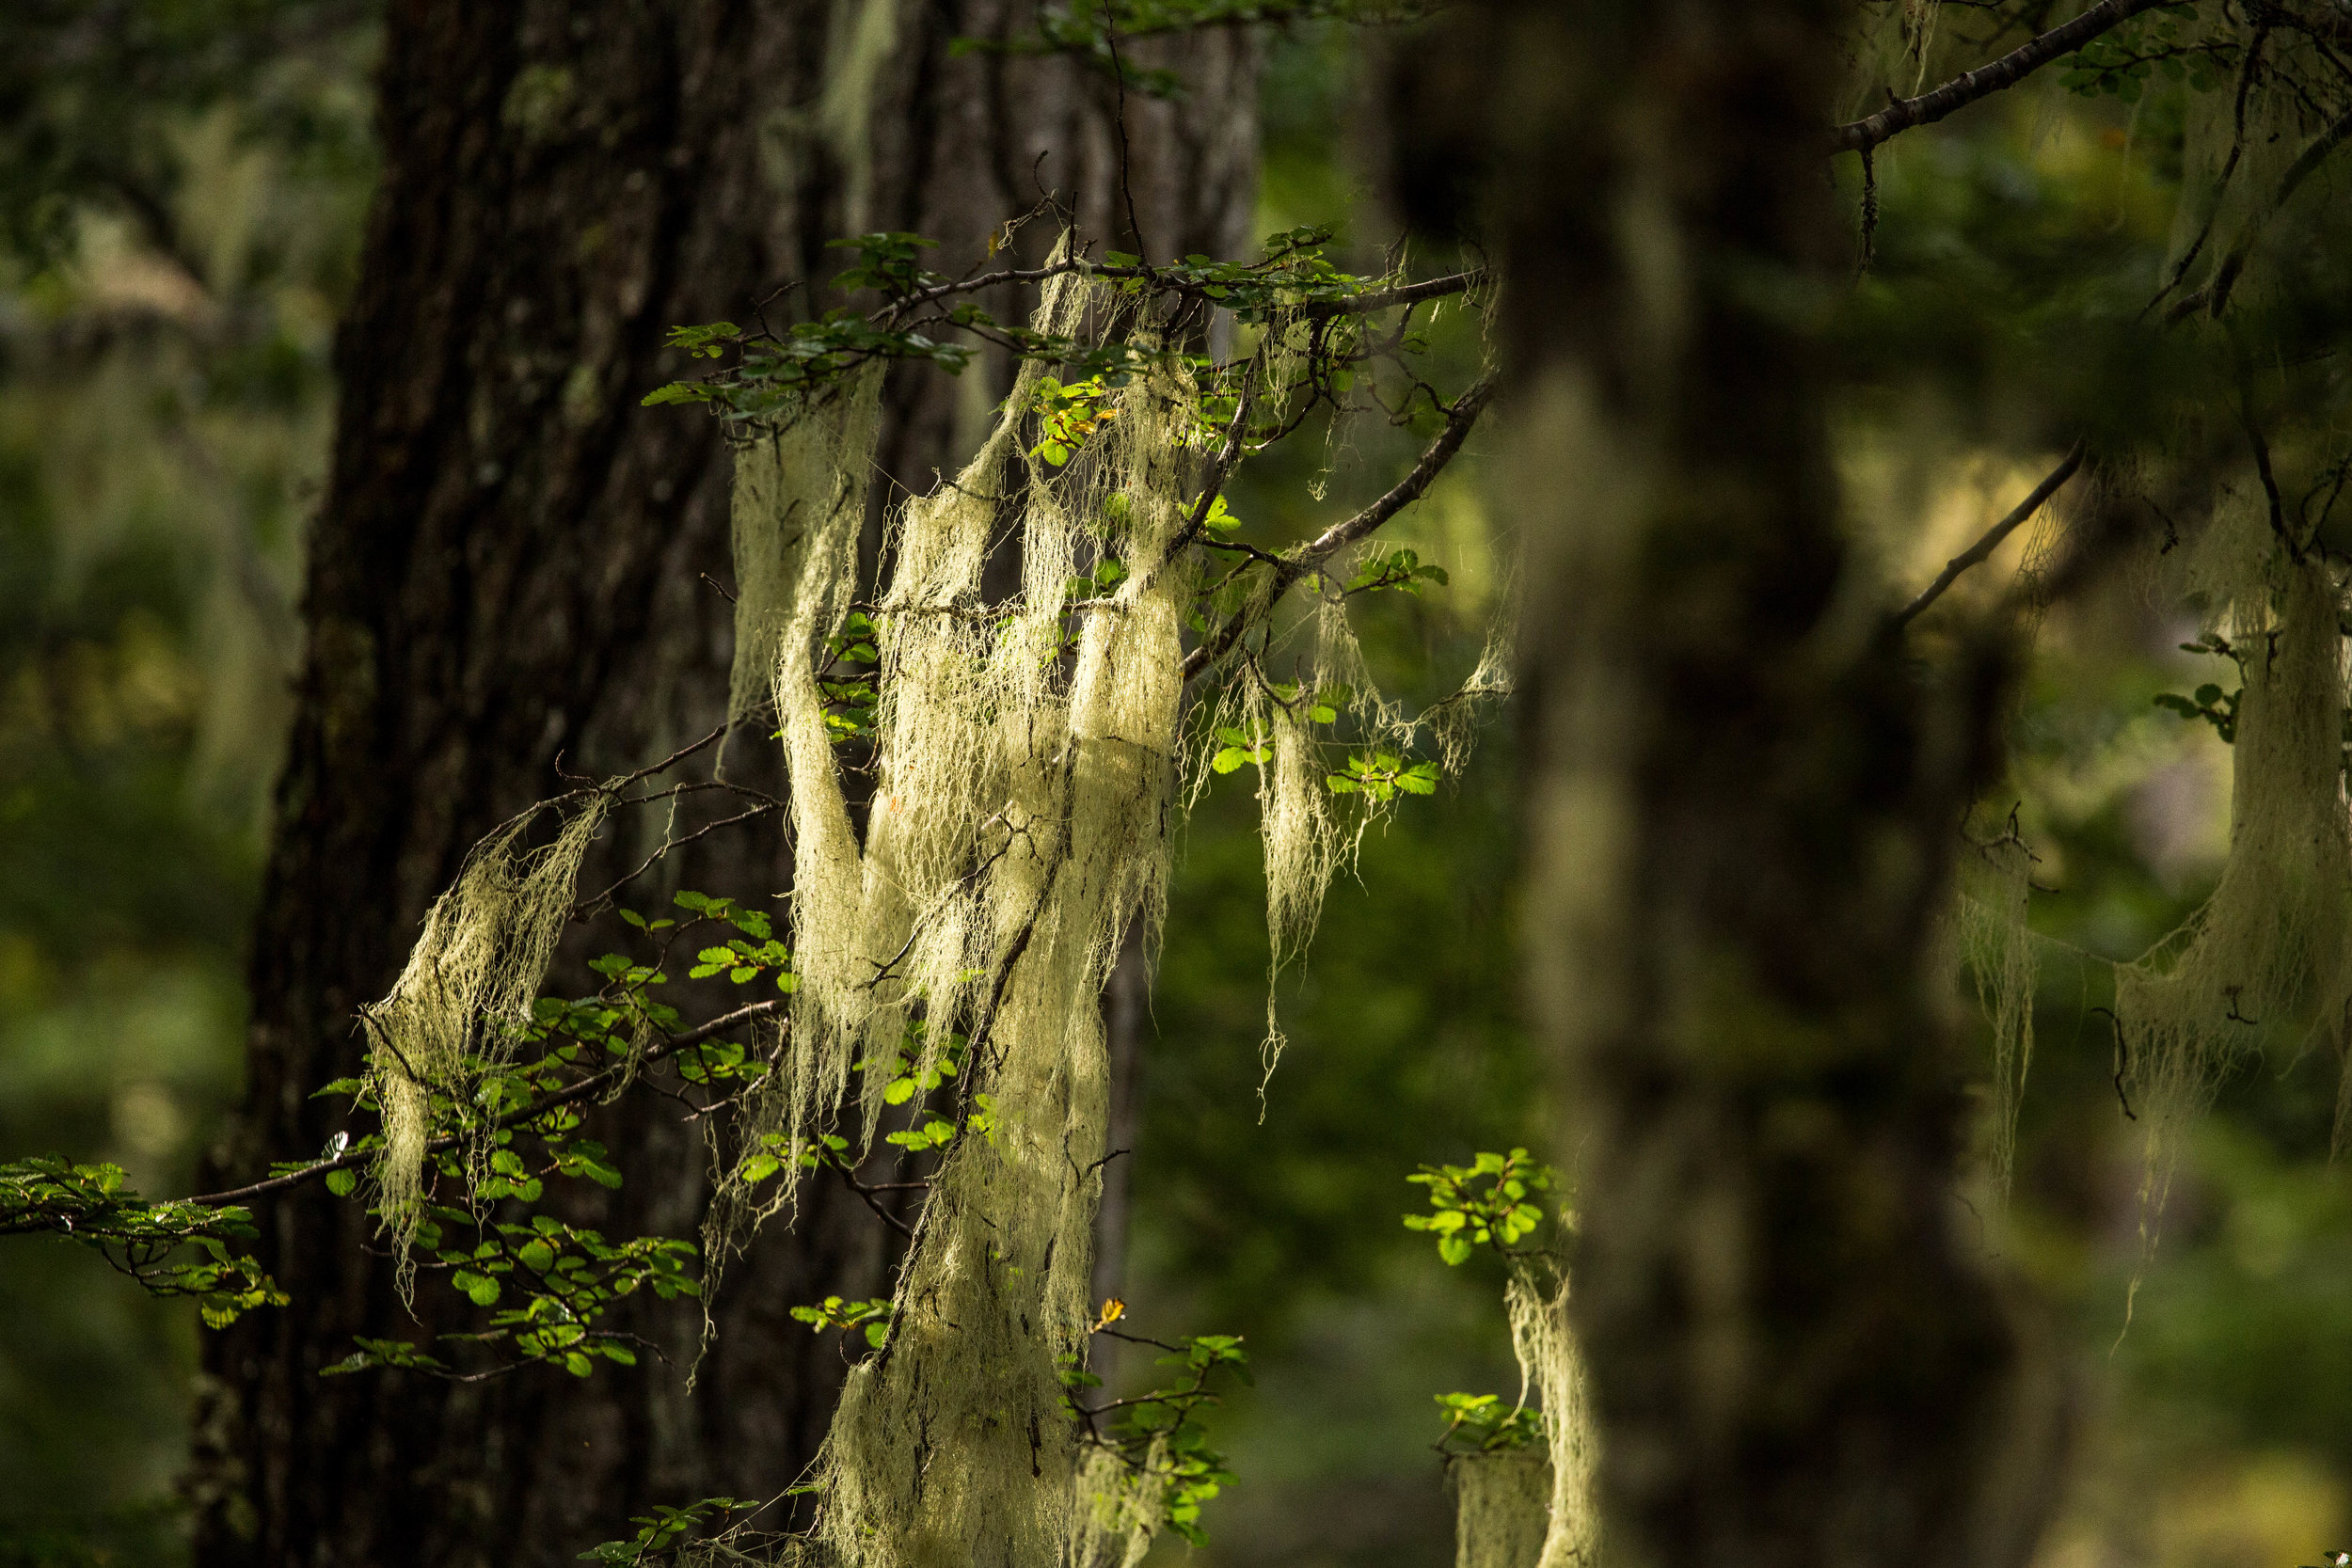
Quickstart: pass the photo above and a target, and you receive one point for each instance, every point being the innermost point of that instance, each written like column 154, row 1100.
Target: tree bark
column 1742, row 806
column 506, row 573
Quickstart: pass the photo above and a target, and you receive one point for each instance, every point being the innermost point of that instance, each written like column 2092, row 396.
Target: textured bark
column 1743, row 803
column 505, row 573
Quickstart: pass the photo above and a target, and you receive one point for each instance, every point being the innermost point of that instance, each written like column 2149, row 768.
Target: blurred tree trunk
column 1743, row 804
column 505, row 572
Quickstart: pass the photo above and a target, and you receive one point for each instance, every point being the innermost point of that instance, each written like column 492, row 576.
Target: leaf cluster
column 1488, row 1202
column 1482, row 1423
column 564, row 1278
column 870, row 1317
column 173, row 1249
column 664, row 1533
column 1161, row 1431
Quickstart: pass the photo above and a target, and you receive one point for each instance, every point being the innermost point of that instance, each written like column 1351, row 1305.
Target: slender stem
column 1990, row 541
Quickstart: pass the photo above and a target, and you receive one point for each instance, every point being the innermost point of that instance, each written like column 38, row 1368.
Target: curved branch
column 1305, row 558
column 1986, row 80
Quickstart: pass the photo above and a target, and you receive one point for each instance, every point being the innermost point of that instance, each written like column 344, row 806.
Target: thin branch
column 875, row 1203
column 1220, row 469
column 539, row 1107
column 1355, row 305
column 2226, row 276
column 668, row 845
column 1298, row 563
column 1403, row 293
column 1126, row 183
column 1985, row 80
column 1977, row 553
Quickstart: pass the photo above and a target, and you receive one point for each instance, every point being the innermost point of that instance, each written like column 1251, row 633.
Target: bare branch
column 1977, row 553
column 1985, row 80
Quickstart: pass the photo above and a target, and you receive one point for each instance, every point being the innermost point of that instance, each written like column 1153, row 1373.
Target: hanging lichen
column 1117, row 1509
column 2268, row 949
column 1537, row 1301
column 800, row 499
column 1502, row 1508
column 965, row 873
column 1996, row 946
column 467, row 991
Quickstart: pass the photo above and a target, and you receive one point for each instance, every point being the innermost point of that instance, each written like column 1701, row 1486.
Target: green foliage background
column 182, row 235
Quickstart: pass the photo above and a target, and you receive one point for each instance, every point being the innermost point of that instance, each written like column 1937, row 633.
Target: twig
column 580, row 1090
column 1298, row 563
column 1220, row 470
column 1126, row 184
column 875, row 1204
column 1985, row 80
column 1355, row 305
column 2117, row 1024
column 1983, row 548
column 668, row 845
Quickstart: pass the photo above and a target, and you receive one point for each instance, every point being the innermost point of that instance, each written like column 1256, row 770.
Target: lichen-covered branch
column 2011, row 68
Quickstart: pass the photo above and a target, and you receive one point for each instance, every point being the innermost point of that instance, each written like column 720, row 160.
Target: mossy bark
column 505, row 571
column 1742, row 805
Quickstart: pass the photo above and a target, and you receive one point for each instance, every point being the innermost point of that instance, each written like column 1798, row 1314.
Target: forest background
column 165, row 404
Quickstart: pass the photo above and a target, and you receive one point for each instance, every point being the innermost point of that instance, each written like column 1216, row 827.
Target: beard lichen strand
column 967, row 702
column 1534, row 1507
column 1996, row 947
column 1021, row 824
column 1545, row 1343
column 1117, row 1508
column 799, row 498
column 467, row 991
column 1502, row 1508
column 2227, row 180
column 2268, row 947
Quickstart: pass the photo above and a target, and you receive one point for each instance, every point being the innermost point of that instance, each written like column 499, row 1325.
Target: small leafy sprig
column 1159, row 1432
column 2211, row 703
column 774, row 375
column 565, row 1277
column 2120, row 63
column 1400, row 569
column 1383, row 775
column 1068, row 415
column 1488, row 1202
column 872, row 1317
column 152, row 1242
column 1482, row 1423
column 664, row 1533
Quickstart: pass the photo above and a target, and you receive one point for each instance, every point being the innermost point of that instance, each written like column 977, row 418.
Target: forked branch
column 1298, row 563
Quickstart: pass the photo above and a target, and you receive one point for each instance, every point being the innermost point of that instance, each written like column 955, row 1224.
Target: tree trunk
column 1742, row 806
column 506, row 573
